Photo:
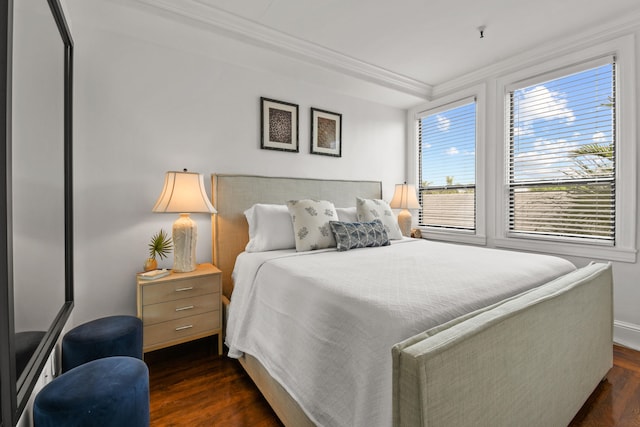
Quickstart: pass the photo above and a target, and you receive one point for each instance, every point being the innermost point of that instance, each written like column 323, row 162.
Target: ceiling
column 409, row 46
column 430, row 41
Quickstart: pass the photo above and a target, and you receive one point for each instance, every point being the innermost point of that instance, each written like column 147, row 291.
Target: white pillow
column 370, row 209
column 347, row 214
column 311, row 224
column 270, row 228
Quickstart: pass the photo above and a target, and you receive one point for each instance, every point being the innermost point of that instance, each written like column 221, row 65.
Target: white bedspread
column 323, row 323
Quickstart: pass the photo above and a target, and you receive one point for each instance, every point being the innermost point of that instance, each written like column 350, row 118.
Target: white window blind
column 447, row 166
column 562, row 156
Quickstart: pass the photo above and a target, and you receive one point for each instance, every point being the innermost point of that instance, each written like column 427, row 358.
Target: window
column 562, row 156
column 447, row 166
column 539, row 157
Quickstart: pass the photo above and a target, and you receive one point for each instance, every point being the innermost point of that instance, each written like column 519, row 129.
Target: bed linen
column 323, row 322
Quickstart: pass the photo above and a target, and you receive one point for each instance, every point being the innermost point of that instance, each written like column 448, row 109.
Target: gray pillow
column 351, row 235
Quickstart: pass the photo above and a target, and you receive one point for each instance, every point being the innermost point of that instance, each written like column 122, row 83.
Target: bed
column 529, row 355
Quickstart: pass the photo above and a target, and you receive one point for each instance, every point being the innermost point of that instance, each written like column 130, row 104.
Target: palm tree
column 593, row 160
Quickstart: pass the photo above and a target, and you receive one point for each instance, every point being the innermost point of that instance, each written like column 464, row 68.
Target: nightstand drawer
column 181, row 329
column 178, row 289
column 177, row 309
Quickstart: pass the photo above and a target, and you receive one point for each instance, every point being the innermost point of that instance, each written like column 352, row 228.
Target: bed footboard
column 530, row 361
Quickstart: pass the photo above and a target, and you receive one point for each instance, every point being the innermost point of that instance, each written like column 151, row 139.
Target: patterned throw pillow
column 370, row 209
column 351, row 235
column 311, row 224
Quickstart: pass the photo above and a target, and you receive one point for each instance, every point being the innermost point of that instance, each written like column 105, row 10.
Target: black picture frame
column 326, row 133
column 279, row 125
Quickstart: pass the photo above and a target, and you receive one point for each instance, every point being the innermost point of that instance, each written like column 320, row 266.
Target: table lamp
column 184, row 193
column 405, row 198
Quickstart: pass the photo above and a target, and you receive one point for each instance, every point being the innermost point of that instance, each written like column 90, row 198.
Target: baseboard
column 626, row 334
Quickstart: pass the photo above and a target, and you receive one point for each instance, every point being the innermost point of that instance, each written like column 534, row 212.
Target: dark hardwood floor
column 616, row 401
column 192, row 386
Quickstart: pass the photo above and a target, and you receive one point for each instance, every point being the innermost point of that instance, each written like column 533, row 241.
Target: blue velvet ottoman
column 105, row 337
column 108, row 392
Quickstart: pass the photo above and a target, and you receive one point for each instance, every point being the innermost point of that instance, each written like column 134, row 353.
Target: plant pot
column 150, row 264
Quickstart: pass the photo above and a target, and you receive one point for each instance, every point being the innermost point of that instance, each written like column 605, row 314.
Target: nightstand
column 180, row 307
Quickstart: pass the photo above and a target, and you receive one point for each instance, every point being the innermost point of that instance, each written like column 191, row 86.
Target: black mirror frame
column 14, row 396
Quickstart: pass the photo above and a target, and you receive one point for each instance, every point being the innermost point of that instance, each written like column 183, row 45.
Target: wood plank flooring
column 192, row 386
column 616, row 401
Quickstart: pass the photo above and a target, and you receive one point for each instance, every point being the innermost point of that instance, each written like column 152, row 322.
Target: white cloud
column 443, row 123
column 547, row 157
column 554, row 145
column 541, row 103
column 524, row 130
column 599, row 137
column 452, row 151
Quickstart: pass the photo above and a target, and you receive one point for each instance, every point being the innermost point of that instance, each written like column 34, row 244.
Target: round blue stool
column 108, row 392
column 105, row 337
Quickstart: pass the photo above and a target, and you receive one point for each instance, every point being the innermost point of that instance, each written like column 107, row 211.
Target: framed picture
column 279, row 124
column 326, row 133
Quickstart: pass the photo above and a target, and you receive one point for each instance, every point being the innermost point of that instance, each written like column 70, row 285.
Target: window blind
column 447, row 144
column 562, row 156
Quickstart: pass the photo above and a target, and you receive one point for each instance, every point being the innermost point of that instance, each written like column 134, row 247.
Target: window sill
column 571, row 249
column 453, row 236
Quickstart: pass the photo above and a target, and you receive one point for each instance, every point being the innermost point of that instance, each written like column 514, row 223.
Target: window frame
column 477, row 236
column 625, row 173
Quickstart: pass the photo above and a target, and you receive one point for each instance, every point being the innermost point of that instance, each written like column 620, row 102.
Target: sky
column 551, row 120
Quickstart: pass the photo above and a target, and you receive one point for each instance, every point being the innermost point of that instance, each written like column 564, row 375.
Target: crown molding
column 596, row 34
column 248, row 31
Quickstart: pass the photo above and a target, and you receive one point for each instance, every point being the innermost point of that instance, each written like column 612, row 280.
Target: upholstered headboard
column 233, row 194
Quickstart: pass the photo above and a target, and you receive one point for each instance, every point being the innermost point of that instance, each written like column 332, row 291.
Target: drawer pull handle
column 189, row 288
column 182, row 328
column 189, row 307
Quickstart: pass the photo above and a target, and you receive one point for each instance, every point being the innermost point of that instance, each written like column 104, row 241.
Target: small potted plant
column 160, row 246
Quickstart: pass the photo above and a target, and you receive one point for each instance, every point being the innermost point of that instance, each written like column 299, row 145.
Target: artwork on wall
column 326, row 133
column 279, row 125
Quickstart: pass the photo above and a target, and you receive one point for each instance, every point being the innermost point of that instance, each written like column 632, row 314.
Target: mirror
column 37, row 174
column 36, row 283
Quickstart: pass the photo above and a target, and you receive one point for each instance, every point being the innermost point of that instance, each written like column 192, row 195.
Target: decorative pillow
column 347, row 214
column 270, row 228
column 351, row 235
column 370, row 209
column 311, row 224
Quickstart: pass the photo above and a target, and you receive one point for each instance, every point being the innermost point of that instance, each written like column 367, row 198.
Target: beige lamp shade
column 405, row 198
column 184, row 193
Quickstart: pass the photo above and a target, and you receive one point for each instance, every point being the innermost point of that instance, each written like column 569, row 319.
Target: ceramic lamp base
column 185, row 233
column 404, row 221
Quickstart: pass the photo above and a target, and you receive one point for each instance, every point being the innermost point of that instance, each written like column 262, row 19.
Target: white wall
column 626, row 274
column 153, row 94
